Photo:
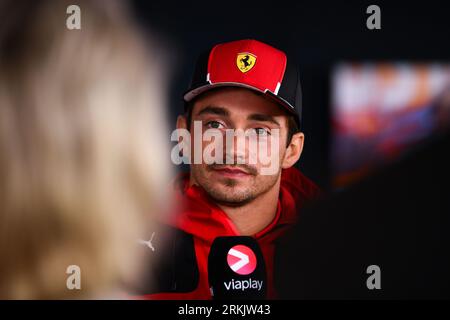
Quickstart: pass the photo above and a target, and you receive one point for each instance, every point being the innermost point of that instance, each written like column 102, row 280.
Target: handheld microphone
column 236, row 269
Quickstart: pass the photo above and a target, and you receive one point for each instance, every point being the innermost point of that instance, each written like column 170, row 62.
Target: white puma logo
column 149, row 242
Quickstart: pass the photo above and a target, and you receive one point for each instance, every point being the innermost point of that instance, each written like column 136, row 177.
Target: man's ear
column 182, row 122
column 294, row 150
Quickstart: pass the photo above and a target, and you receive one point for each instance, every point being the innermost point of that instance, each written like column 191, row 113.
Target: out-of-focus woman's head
column 82, row 147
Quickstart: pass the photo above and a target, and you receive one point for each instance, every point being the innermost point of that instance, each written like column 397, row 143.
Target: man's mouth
column 231, row 172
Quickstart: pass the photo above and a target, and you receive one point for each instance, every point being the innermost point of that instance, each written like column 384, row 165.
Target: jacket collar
column 200, row 216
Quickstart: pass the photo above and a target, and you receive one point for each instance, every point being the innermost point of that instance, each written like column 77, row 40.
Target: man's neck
column 254, row 216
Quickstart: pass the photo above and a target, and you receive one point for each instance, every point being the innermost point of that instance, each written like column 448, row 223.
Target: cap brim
column 191, row 94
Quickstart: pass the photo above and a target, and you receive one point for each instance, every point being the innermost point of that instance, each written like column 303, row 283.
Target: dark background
column 319, row 34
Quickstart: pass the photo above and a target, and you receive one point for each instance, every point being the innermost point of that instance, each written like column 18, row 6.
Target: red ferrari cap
column 249, row 64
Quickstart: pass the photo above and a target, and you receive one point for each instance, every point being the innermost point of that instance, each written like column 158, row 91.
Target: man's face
column 237, row 108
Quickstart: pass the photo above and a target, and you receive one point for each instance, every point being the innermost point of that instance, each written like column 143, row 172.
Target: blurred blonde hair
column 82, row 147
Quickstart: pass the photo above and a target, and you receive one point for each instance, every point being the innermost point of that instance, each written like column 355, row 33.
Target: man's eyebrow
column 219, row 111
column 263, row 118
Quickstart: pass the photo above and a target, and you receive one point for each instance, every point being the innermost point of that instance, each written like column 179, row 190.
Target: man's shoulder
column 171, row 262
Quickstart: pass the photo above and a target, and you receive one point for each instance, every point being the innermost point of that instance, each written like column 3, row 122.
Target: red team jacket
column 205, row 221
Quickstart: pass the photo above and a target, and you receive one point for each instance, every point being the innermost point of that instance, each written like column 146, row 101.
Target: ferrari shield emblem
column 245, row 61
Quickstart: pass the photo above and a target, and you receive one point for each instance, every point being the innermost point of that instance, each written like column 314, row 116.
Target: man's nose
column 236, row 146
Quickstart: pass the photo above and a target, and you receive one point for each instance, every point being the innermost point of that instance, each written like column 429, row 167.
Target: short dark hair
column 293, row 128
column 292, row 124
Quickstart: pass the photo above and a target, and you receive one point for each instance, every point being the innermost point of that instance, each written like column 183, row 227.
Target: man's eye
column 214, row 125
column 262, row 131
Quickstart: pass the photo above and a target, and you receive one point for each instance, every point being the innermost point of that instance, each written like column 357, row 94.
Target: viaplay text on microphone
column 236, row 269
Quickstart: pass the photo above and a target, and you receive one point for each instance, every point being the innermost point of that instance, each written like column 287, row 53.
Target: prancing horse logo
column 245, row 61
